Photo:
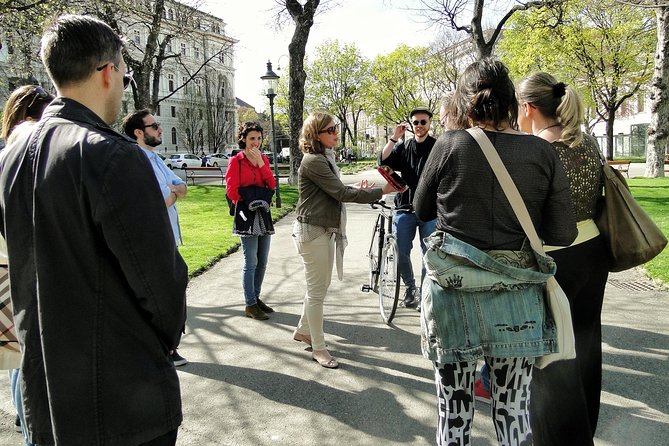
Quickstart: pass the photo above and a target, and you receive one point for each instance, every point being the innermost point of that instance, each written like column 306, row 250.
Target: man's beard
column 152, row 141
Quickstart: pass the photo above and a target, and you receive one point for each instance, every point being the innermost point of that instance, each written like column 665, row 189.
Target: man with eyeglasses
column 142, row 126
column 408, row 157
column 97, row 283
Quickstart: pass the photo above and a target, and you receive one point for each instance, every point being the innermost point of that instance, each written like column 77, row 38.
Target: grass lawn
column 206, row 225
column 653, row 195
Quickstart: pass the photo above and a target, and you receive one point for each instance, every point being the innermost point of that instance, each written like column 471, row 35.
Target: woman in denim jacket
column 485, row 293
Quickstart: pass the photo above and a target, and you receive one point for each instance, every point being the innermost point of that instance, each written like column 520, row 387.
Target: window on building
column 168, row 48
column 201, row 115
column 173, row 110
column 170, row 14
column 196, row 52
column 136, row 37
column 170, row 82
column 198, row 87
column 185, row 86
column 187, row 112
column 174, row 135
column 183, row 49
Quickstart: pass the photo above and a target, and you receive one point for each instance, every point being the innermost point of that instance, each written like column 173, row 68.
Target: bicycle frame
column 384, row 263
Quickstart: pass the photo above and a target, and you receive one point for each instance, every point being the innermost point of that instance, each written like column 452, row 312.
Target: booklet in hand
column 393, row 178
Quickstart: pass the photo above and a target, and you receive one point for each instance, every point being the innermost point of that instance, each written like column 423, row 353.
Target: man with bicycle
column 408, row 157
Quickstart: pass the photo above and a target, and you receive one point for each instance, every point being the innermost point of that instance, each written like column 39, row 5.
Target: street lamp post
column 270, row 78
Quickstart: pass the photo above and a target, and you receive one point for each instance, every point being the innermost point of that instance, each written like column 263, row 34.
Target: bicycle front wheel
column 389, row 280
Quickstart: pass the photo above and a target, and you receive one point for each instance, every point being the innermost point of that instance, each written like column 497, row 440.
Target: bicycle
column 384, row 266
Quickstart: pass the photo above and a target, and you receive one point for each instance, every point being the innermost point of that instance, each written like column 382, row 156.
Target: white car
column 218, row 160
column 181, row 160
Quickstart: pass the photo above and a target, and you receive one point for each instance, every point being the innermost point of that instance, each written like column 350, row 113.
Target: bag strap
column 508, row 186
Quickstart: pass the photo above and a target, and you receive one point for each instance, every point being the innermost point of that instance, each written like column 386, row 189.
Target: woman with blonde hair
column 320, row 227
column 566, row 394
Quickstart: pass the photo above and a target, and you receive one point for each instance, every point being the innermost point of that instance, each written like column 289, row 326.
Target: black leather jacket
column 97, row 283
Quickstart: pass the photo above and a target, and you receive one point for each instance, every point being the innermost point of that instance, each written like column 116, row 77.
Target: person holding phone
column 408, row 158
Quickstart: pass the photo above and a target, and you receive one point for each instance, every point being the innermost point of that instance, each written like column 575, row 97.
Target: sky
column 375, row 26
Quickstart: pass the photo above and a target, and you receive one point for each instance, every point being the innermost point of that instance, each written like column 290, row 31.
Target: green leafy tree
column 402, row 80
column 467, row 16
column 337, row 81
column 302, row 15
column 590, row 44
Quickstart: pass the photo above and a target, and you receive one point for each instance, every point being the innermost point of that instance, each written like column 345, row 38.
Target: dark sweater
column 459, row 188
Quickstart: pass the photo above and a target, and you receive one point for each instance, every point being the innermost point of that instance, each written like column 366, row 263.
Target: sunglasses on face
column 154, row 126
column 331, row 130
column 127, row 77
column 421, row 122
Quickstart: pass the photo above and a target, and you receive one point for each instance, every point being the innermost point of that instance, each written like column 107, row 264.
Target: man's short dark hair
column 418, row 110
column 73, row 46
column 135, row 121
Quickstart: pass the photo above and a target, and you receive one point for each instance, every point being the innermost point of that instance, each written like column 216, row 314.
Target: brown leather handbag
column 631, row 236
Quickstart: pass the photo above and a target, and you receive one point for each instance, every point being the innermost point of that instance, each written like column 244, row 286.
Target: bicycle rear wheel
column 374, row 256
column 389, row 280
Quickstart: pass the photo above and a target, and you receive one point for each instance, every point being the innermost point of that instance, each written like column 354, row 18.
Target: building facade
column 195, row 98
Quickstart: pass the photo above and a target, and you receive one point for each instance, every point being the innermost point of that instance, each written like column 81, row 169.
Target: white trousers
column 318, row 259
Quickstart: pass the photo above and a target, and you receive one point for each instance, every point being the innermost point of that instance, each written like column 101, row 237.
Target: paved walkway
column 249, row 383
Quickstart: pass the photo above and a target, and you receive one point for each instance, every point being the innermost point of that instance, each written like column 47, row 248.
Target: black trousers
column 169, row 439
column 564, row 406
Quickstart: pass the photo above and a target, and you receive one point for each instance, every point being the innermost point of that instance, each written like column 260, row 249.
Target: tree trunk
column 303, row 16
column 659, row 105
column 611, row 116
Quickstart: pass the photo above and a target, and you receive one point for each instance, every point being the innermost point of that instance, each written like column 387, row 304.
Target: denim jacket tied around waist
column 478, row 303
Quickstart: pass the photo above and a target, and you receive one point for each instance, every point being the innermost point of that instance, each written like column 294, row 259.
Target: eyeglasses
column 154, row 126
column 127, row 77
column 331, row 130
column 421, row 122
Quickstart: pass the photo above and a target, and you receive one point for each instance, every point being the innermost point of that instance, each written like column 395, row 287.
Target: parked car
column 218, row 160
column 181, row 160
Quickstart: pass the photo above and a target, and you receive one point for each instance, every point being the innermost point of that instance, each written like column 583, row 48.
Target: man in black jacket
column 408, row 157
column 97, row 283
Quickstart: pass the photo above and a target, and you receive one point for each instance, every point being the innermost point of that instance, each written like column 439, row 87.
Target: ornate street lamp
column 271, row 80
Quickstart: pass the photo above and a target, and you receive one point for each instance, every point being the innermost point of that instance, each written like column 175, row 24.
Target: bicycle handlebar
column 380, row 203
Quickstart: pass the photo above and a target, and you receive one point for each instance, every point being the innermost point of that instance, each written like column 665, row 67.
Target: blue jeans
column 256, row 251
column 404, row 228
column 485, row 376
column 15, row 378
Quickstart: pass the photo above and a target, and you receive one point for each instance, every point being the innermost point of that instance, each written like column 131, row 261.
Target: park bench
column 621, row 165
column 204, row 172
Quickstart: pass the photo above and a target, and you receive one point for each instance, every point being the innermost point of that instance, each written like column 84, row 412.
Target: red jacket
column 248, row 175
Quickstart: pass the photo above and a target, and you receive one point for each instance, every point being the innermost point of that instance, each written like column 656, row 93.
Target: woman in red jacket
column 250, row 183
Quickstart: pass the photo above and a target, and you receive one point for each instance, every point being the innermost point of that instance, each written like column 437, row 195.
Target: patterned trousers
column 510, row 390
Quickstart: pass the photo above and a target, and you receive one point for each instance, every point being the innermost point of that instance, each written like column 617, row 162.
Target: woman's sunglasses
column 421, row 122
column 331, row 130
